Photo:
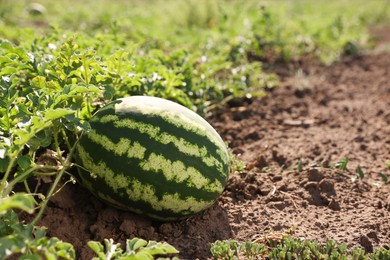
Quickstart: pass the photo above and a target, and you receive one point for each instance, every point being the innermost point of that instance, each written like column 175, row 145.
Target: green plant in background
column 269, row 30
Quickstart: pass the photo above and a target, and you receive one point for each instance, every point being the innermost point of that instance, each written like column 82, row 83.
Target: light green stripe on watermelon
column 179, row 173
column 155, row 133
column 138, row 191
column 101, row 170
column 171, row 202
column 171, row 113
column 124, row 146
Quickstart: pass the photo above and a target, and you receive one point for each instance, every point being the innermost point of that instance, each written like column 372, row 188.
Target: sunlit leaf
column 38, row 82
column 20, row 201
column 52, row 114
column 135, row 244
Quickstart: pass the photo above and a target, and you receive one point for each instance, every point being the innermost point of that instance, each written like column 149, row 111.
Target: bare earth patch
column 291, row 141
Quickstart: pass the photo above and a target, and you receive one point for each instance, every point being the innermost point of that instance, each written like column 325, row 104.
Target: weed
column 227, row 249
column 252, row 250
column 291, row 248
column 387, row 164
column 384, row 177
column 360, row 172
column 300, row 166
column 343, row 164
column 237, row 165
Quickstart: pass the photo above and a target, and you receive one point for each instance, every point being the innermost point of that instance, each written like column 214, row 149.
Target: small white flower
column 156, row 77
column 49, row 57
column 31, row 56
column 52, row 46
column 7, row 141
column 23, row 124
column 2, row 153
column 6, row 78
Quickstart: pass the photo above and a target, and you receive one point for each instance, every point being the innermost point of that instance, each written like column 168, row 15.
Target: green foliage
column 381, row 254
column 20, row 201
column 269, row 30
column 252, row 250
column 291, row 248
column 29, row 242
column 60, row 63
column 41, row 110
column 136, row 249
column 227, row 249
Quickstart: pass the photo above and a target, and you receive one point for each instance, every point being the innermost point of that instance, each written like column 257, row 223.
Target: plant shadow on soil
column 291, row 141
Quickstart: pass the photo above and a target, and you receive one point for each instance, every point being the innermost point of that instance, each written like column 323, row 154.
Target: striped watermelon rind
column 153, row 157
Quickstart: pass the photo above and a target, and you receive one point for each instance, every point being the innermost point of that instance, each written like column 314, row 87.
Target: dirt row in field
column 291, row 141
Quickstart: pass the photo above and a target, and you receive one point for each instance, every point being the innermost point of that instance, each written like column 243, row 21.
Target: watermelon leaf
column 136, row 249
column 135, row 244
column 20, row 201
column 52, row 114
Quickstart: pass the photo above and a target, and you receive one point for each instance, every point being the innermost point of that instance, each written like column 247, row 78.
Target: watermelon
column 153, row 157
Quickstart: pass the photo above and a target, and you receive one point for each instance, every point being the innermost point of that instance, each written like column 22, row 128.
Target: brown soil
column 291, row 141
